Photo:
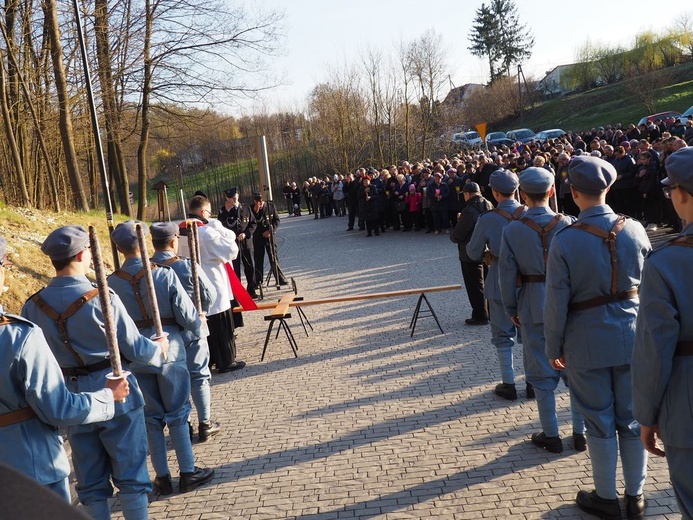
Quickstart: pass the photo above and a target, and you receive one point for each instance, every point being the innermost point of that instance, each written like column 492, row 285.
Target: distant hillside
column 608, row 105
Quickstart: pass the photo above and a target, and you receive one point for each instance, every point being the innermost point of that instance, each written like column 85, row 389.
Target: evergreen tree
column 498, row 35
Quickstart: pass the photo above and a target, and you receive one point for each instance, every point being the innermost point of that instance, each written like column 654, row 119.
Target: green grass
column 607, row 105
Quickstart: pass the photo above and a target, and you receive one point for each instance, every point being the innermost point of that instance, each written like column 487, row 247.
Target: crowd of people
column 427, row 195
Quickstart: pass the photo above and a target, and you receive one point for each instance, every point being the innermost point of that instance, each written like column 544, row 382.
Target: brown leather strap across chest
column 61, row 319
column 515, row 215
column 543, row 232
column 610, row 241
column 135, row 283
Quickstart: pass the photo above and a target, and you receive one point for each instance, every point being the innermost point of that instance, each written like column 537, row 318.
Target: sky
column 320, row 34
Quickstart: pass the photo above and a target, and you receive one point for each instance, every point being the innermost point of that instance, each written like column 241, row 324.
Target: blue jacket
column 32, row 378
column 579, row 268
column 663, row 381
column 521, row 253
column 86, row 333
column 487, row 234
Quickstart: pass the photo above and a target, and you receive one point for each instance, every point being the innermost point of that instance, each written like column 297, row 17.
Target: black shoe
column 472, row 321
column 206, row 430
column 190, row 481
column 506, row 391
column 162, row 485
column 369, row 235
column 283, row 282
column 579, row 442
column 254, row 295
column 550, row 444
column 635, row 506
column 530, row 391
column 236, row 365
column 606, row 509
column 350, row 229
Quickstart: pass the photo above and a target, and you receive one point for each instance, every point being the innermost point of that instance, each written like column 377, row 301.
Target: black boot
column 206, row 430
column 190, row 481
column 530, row 391
column 635, row 506
column 550, row 444
column 579, row 441
column 506, row 391
column 162, row 485
column 606, row 509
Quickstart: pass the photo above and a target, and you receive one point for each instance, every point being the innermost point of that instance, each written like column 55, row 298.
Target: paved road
column 370, row 423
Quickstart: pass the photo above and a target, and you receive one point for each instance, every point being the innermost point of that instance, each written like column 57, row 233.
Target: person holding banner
column 166, row 392
column 217, row 249
column 72, row 321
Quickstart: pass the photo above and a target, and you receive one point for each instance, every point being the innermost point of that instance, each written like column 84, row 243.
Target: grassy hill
column 25, row 229
column 611, row 104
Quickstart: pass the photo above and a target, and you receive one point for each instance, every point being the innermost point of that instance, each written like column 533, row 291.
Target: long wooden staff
column 151, row 294
column 105, row 301
column 194, row 255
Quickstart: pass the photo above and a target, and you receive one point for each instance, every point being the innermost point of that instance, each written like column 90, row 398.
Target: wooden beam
column 355, row 297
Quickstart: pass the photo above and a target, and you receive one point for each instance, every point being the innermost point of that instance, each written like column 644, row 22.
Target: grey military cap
column 65, row 242
column 591, row 175
column 164, row 231
column 503, row 181
column 679, row 168
column 125, row 234
column 536, row 180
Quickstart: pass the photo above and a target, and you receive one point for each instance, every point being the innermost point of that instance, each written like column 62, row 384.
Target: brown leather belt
column 74, row 372
column 533, row 278
column 21, row 415
column 603, row 300
column 143, row 324
column 684, row 348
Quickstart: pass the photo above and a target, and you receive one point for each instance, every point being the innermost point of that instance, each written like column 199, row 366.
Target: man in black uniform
column 473, row 272
column 239, row 218
column 267, row 221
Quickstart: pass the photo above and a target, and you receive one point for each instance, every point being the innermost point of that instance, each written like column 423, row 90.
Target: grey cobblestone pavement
column 370, row 423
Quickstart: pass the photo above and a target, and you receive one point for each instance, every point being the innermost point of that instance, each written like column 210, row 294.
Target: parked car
column 688, row 114
column 660, row 115
column 523, row 135
column 545, row 135
column 473, row 138
column 498, row 139
column 468, row 139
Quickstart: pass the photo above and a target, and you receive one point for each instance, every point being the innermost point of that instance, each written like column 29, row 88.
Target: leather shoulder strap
column 5, row 320
column 61, row 319
column 610, row 241
column 543, row 232
column 135, row 283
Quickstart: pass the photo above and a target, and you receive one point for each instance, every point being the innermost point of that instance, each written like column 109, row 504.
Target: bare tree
column 50, row 10
column 429, row 68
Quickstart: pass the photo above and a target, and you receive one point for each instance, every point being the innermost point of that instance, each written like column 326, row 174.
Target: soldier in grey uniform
column 485, row 244
column 34, row 401
column 592, row 279
column 166, row 393
column 662, row 366
column 523, row 253
column 165, row 241
column 73, row 324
